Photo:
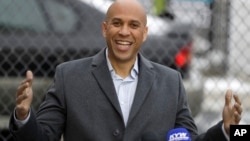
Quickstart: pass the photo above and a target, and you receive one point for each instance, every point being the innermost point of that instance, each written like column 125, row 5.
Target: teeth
column 123, row 43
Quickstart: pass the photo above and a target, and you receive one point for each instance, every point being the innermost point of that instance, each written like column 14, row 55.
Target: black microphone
column 149, row 136
column 178, row 134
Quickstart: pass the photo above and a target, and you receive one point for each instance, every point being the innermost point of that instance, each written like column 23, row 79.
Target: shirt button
column 116, row 132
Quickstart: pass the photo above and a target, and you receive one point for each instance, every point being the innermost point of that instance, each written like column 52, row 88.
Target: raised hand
column 24, row 97
column 232, row 110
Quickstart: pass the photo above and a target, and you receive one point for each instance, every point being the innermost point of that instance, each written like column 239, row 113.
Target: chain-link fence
column 40, row 34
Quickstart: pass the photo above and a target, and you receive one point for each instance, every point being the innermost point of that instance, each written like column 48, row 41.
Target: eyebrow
column 131, row 21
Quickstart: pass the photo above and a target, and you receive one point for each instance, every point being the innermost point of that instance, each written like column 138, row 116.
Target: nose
column 124, row 30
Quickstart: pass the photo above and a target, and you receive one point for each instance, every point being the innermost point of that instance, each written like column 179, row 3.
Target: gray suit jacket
column 83, row 106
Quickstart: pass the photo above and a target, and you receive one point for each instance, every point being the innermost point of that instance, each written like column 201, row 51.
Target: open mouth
column 123, row 45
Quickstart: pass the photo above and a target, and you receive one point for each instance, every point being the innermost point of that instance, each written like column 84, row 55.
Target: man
column 116, row 95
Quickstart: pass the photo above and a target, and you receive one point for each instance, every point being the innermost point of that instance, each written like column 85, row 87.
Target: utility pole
column 219, row 33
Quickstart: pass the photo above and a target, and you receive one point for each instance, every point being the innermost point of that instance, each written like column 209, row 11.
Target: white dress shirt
column 125, row 88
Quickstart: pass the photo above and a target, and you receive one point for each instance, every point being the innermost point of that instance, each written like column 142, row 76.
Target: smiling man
column 116, row 95
column 125, row 30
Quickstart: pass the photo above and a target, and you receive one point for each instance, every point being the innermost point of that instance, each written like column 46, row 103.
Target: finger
column 238, row 108
column 29, row 77
column 28, row 80
column 21, row 97
column 228, row 97
column 237, row 99
column 237, row 117
column 25, row 83
column 21, row 88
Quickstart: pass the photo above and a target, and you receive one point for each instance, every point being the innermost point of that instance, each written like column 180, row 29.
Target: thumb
column 29, row 76
column 228, row 97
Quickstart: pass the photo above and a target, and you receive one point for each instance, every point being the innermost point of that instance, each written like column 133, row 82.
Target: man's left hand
column 231, row 111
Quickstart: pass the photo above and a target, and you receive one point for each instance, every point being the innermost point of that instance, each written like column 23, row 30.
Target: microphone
column 149, row 136
column 178, row 134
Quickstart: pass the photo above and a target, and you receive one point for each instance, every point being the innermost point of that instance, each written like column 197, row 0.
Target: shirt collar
column 134, row 72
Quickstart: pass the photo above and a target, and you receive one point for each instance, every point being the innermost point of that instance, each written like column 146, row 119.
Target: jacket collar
column 145, row 81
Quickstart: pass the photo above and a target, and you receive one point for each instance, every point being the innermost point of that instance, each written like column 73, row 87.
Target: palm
column 24, row 97
column 232, row 111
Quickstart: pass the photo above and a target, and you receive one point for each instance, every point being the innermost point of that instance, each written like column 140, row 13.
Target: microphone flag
column 178, row 134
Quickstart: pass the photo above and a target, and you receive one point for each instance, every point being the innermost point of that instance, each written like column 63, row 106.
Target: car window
column 62, row 17
column 21, row 14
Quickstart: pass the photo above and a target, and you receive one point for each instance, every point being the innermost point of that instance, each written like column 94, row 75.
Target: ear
column 104, row 29
column 145, row 34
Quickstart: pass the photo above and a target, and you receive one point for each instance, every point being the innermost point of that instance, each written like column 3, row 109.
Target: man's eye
column 116, row 23
column 134, row 25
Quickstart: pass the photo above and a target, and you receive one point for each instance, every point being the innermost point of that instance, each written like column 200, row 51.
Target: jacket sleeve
column 214, row 133
column 29, row 131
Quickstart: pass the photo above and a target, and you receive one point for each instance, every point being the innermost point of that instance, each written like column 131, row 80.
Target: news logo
column 239, row 132
column 178, row 134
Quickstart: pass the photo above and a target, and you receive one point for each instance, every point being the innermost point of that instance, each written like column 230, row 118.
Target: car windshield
column 17, row 14
column 30, row 15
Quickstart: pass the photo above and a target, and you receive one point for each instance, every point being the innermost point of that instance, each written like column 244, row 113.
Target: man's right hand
column 24, row 97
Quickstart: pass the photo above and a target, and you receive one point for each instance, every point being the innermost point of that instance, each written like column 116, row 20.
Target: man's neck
column 122, row 69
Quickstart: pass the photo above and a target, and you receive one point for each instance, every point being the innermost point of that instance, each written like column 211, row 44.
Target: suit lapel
column 103, row 77
column 146, row 77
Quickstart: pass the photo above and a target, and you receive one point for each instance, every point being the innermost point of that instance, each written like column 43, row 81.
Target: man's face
column 125, row 30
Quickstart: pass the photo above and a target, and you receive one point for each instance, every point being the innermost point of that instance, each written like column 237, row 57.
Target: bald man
column 116, row 95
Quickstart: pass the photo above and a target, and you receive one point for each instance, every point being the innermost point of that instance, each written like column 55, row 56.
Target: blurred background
column 207, row 41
